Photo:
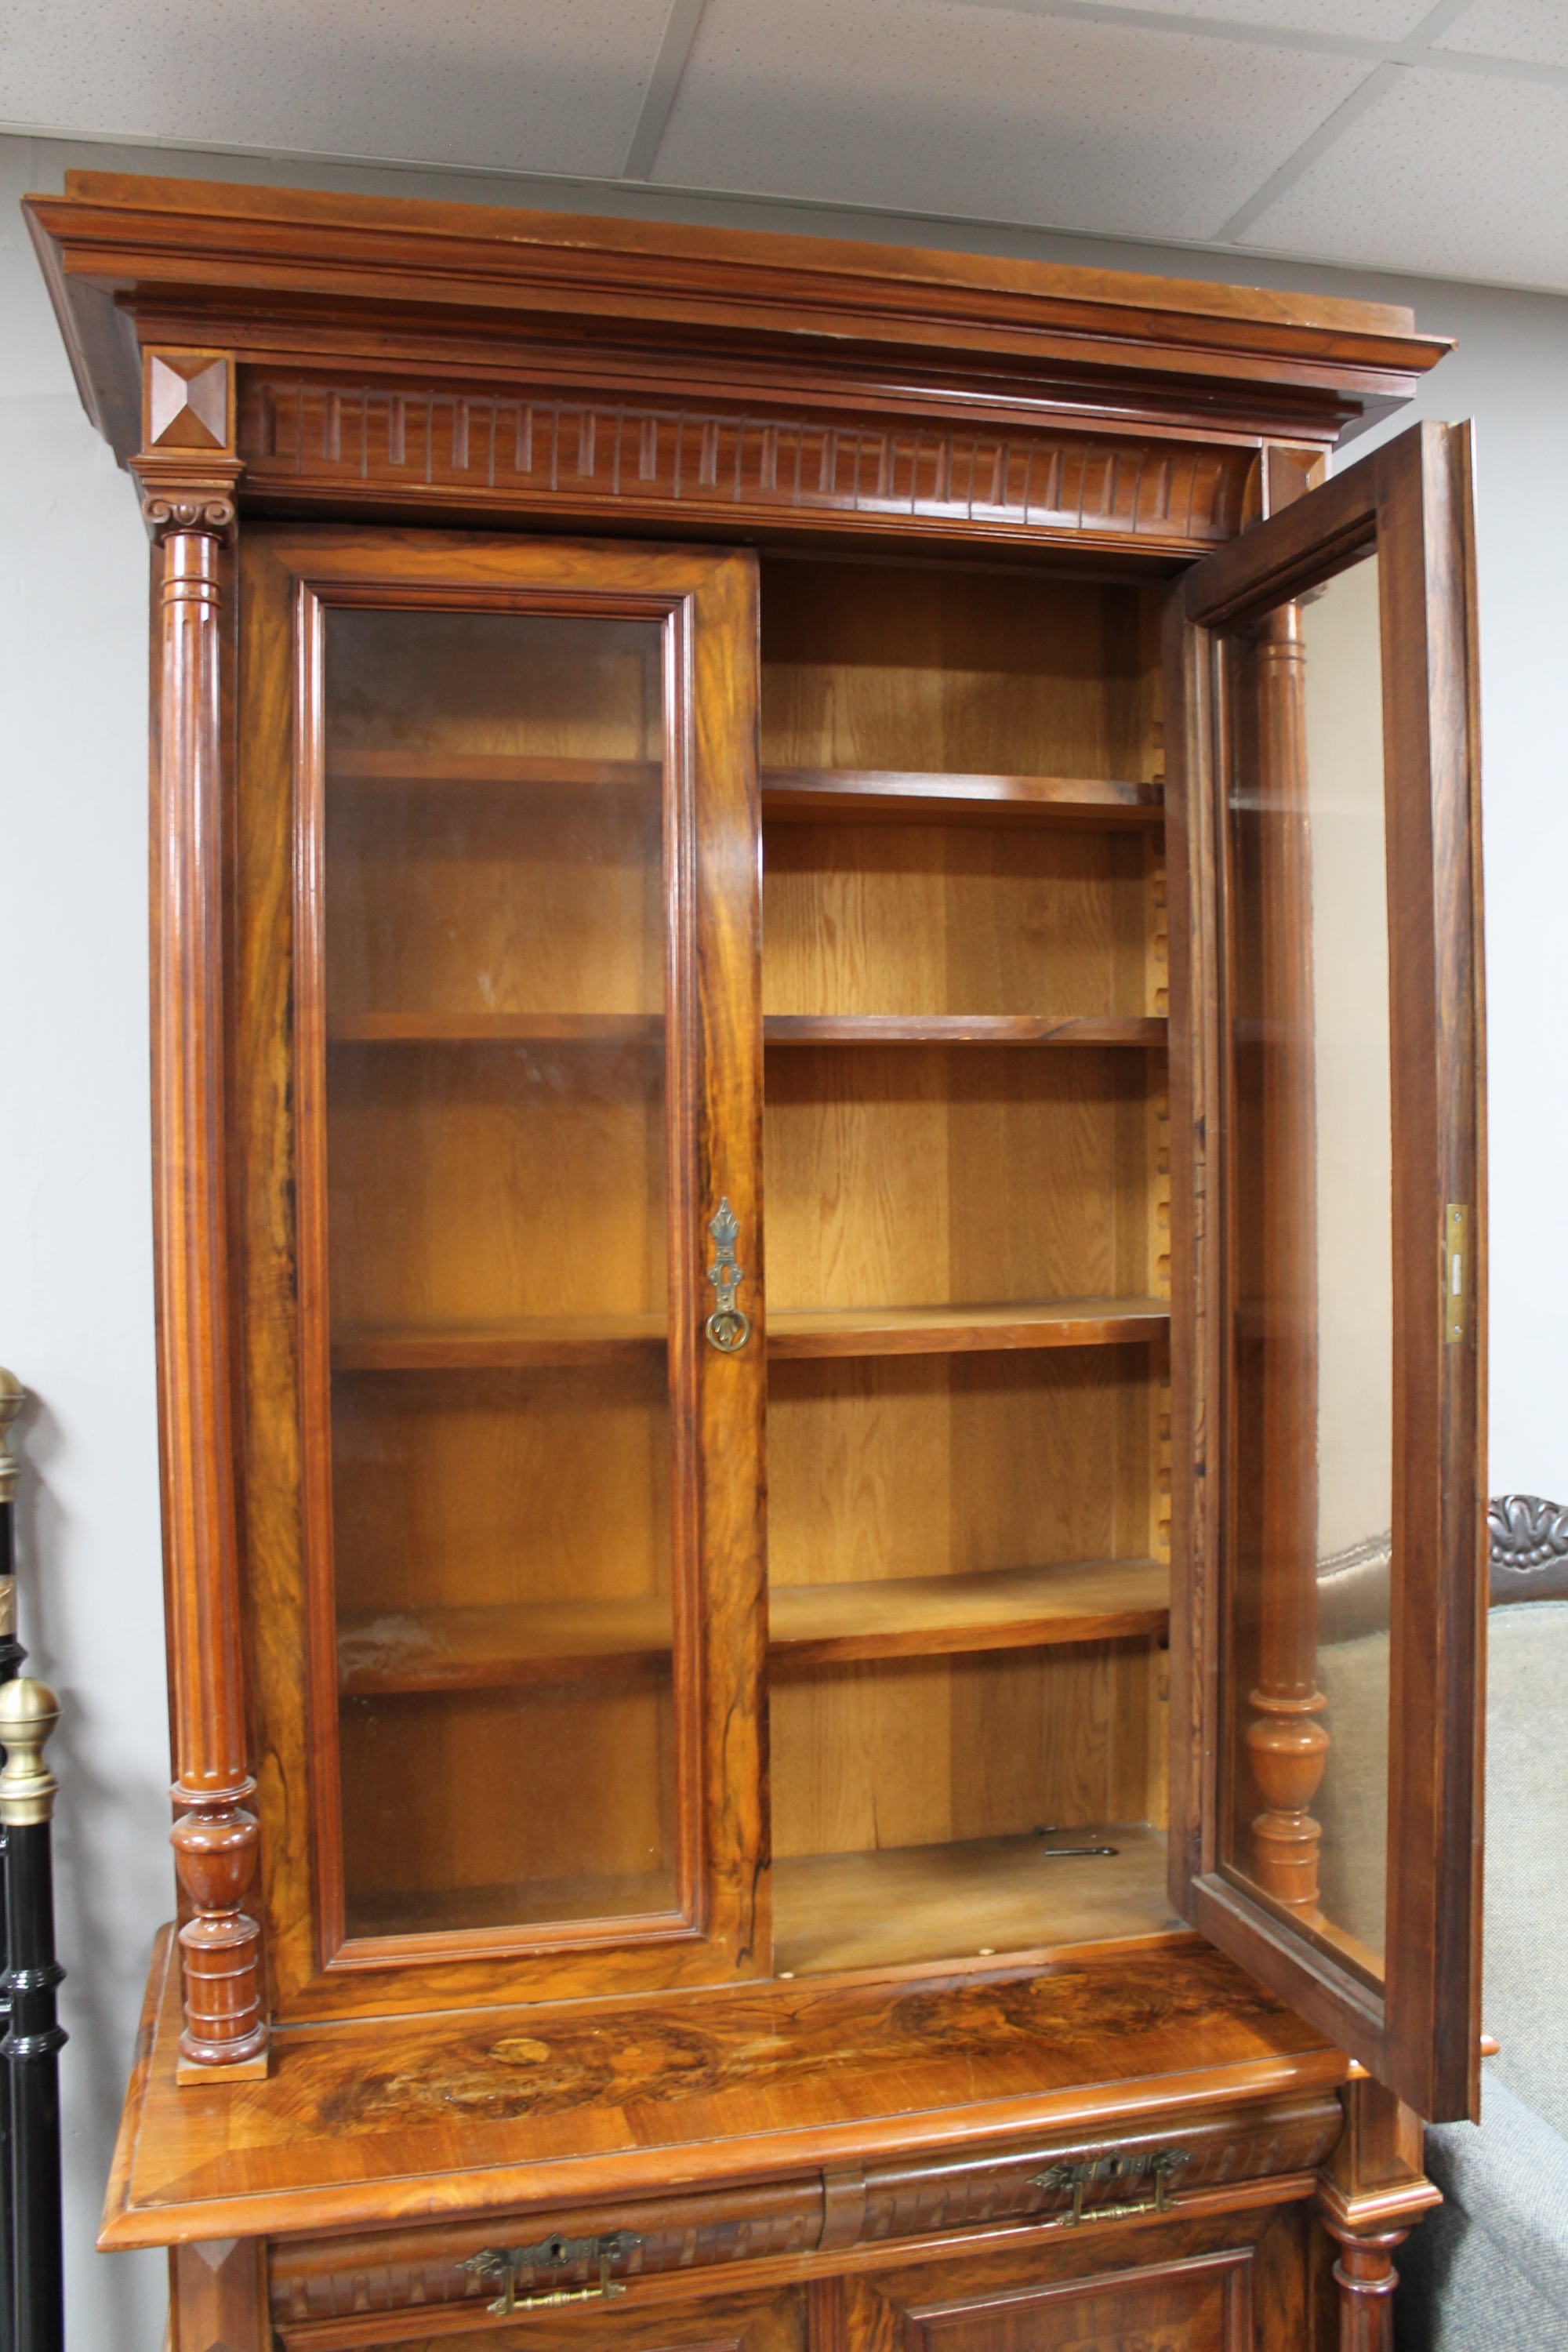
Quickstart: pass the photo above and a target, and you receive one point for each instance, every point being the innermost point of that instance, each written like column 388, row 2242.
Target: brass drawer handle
column 728, row 1329
column 500, row 2264
column 1163, row 2163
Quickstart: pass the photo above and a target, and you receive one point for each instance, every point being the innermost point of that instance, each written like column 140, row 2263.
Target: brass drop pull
column 1163, row 2163
column 502, row 2263
column 728, row 1328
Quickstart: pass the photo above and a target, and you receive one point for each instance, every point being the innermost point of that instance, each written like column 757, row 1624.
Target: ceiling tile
column 927, row 106
column 1458, row 175
column 1535, row 31
column 553, row 85
column 1369, row 20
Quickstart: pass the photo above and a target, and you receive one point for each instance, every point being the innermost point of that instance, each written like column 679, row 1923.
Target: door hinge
column 1458, row 1280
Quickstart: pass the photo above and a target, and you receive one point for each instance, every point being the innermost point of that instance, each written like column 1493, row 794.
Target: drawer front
column 826, row 2219
column 1238, row 2283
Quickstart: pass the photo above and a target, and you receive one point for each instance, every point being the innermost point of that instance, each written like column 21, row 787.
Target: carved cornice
column 1529, row 1548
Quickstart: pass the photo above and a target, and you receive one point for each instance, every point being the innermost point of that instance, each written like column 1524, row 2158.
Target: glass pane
column 1310, row 1507
column 495, row 1172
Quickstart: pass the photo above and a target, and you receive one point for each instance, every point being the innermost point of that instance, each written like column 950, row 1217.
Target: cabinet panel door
column 1329, row 1235
column 513, row 785
column 1236, row 2282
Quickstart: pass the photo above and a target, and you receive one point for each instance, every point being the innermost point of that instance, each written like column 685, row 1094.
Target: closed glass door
column 507, row 888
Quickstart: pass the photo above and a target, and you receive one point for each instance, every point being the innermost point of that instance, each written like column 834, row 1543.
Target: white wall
column 76, row 1306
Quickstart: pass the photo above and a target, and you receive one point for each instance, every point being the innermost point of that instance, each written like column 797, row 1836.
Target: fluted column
column 189, row 472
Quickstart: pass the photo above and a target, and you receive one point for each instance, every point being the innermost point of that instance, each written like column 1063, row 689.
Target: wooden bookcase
column 819, row 1189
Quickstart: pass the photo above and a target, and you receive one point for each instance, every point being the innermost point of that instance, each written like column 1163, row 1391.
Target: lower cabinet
column 1242, row 2283
column 1255, row 2280
column 719, row 2323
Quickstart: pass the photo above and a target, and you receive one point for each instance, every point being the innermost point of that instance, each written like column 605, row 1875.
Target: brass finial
column 11, row 1395
column 28, row 1713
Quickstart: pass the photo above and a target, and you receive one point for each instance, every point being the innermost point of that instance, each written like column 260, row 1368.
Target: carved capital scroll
column 189, row 472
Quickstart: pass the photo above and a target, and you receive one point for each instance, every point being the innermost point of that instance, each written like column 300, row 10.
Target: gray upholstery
column 1489, row 2273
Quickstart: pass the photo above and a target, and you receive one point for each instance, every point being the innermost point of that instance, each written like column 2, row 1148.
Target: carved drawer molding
column 321, row 2288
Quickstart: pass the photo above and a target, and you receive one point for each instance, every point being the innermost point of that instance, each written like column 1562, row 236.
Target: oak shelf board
column 502, row 1646
column 470, row 770
column 952, row 1330
column 1001, row 1608
column 518, row 1343
column 496, row 1028
column 965, row 1029
column 810, row 796
column 976, row 1896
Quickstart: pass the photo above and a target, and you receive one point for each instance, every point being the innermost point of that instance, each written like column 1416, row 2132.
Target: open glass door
column 1328, row 1333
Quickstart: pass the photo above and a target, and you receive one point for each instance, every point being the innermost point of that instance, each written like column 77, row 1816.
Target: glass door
column 528, row 1049
column 1330, row 1521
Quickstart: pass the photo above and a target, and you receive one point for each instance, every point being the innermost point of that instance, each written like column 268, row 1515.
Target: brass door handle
column 728, row 1329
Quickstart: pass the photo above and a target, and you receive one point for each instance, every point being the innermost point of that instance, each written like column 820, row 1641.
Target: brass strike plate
column 1456, row 1275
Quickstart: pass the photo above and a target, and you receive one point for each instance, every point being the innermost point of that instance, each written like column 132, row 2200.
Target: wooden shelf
column 950, row 1330
column 930, row 1616
column 540, row 1342
column 778, row 1029
column 810, row 796
column 905, row 1903
column 466, row 770
column 803, row 794
column 509, row 1645
column 963, row 1029
column 523, row 1343
column 497, row 1028
column 503, row 1647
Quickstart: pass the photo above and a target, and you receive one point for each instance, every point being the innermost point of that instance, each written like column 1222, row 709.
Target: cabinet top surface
column 497, row 2108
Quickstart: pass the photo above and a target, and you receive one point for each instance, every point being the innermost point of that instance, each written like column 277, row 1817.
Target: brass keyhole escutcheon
column 727, row 1328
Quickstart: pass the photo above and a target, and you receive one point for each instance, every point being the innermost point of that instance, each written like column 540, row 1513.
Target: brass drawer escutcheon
column 1163, row 2163
column 502, row 2265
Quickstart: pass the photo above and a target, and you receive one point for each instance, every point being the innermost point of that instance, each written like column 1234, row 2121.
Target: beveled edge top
column 284, row 2156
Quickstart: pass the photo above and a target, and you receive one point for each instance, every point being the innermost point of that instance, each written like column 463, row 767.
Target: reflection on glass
column 495, row 984
column 1310, row 1507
